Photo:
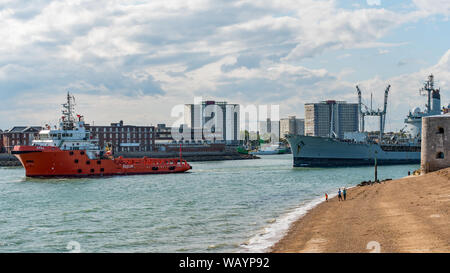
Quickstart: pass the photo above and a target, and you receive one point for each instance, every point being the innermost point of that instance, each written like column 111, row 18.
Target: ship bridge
column 71, row 134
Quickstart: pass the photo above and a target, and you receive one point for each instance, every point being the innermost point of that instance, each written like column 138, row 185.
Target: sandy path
column 404, row 215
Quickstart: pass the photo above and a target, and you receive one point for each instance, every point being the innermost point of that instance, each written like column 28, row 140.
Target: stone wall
column 435, row 150
column 8, row 160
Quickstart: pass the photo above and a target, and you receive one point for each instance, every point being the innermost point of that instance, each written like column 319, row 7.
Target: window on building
column 440, row 130
column 440, row 155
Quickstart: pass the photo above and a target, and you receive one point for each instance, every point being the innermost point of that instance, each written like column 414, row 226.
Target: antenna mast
column 68, row 112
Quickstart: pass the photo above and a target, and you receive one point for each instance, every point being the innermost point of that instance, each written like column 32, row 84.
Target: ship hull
column 311, row 151
column 340, row 162
column 53, row 162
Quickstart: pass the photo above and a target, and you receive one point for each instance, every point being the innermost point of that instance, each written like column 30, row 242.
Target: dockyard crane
column 361, row 114
column 371, row 112
column 383, row 123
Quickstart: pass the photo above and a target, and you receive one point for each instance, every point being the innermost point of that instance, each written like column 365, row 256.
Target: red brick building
column 163, row 132
column 19, row 135
column 125, row 138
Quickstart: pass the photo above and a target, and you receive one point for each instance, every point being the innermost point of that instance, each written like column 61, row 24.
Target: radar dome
column 416, row 110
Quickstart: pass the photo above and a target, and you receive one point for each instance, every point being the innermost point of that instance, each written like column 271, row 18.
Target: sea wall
column 435, row 150
column 10, row 160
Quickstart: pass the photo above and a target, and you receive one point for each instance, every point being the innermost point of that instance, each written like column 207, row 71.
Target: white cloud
column 433, row 6
column 404, row 94
column 151, row 55
column 373, row 2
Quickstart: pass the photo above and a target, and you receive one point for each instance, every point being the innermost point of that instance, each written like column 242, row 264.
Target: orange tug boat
column 71, row 151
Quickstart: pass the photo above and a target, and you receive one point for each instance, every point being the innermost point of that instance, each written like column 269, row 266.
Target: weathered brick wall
column 435, row 150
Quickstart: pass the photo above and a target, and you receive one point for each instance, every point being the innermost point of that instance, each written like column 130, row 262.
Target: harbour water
column 224, row 206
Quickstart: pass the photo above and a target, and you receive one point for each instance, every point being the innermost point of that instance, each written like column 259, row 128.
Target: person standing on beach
column 345, row 193
column 326, row 197
column 339, row 195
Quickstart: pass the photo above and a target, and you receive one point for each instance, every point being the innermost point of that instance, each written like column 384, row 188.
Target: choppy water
column 225, row 206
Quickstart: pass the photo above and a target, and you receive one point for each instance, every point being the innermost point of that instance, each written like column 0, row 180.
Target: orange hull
column 52, row 161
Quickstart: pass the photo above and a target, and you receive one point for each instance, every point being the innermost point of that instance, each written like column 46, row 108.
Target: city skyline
column 133, row 61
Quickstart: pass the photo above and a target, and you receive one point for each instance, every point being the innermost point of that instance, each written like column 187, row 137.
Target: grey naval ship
column 362, row 148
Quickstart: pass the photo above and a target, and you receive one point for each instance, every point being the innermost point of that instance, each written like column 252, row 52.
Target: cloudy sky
column 135, row 60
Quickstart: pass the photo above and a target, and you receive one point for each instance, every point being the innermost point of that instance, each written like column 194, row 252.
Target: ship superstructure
column 413, row 122
column 363, row 148
column 71, row 133
column 70, row 150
